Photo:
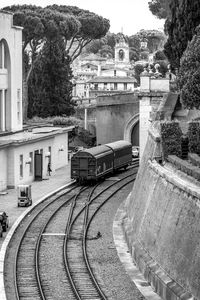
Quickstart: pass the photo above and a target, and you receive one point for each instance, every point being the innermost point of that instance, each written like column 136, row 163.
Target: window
column 96, row 86
column 31, row 163
column 105, row 85
column 18, row 105
column 115, row 72
column 125, row 86
column 21, row 165
column 115, row 85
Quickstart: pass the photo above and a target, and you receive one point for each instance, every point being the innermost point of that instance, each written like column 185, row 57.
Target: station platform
column 8, row 198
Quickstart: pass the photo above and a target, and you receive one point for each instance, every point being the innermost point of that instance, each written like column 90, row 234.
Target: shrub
column 194, row 137
column 159, row 55
column 67, row 121
column 86, row 137
column 138, row 68
column 171, row 138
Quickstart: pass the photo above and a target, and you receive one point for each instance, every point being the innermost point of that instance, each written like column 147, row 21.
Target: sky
column 127, row 16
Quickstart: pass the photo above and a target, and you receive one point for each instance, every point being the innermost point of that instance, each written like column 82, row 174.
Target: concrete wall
column 60, row 151
column 148, row 84
column 112, row 114
column 58, row 158
column 149, row 103
column 162, row 227
column 87, row 113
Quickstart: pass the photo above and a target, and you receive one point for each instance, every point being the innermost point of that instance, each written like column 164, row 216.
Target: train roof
column 95, row 151
column 119, row 144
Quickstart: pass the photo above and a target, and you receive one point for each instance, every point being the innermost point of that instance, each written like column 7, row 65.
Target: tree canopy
column 160, row 8
column 73, row 26
column 189, row 73
column 185, row 17
column 50, row 87
column 155, row 39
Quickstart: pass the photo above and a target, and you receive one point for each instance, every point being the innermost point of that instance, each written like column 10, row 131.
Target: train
column 97, row 162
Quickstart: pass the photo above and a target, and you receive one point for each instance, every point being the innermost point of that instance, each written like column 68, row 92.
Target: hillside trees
column 74, row 26
column 185, row 17
column 100, row 45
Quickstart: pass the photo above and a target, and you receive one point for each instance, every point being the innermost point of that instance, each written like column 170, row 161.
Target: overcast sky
column 128, row 16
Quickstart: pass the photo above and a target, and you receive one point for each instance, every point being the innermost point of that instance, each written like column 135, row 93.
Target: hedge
column 194, row 137
column 171, row 138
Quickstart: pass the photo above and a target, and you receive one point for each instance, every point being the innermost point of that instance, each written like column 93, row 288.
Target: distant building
column 101, row 85
column 95, row 75
column 24, row 154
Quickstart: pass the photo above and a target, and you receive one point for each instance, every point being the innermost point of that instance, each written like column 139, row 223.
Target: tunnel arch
column 132, row 123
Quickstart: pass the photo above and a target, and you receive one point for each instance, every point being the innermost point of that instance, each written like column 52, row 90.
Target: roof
column 112, row 79
column 38, row 133
column 89, row 64
column 119, row 144
column 93, row 56
column 95, row 151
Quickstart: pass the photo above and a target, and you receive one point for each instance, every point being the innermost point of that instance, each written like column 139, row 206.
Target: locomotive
column 95, row 163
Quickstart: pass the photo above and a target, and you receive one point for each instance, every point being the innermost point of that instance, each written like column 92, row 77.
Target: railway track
column 58, row 228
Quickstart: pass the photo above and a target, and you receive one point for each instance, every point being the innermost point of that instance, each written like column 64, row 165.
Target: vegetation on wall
column 171, row 138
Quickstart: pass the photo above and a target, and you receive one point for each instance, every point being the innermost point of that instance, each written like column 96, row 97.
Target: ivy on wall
column 171, row 138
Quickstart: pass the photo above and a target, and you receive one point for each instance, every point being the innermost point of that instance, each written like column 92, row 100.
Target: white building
column 24, row 155
column 10, row 74
column 101, row 74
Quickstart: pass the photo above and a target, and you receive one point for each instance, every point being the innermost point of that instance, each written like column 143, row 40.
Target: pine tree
column 51, row 83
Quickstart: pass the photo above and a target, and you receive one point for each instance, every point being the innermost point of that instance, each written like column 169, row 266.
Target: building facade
column 10, row 74
column 24, row 153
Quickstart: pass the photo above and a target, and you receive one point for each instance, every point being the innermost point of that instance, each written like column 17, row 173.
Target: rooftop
column 27, row 136
column 112, row 79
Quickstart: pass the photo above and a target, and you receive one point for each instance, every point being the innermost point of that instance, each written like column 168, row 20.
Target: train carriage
column 91, row 164
column 122, row 153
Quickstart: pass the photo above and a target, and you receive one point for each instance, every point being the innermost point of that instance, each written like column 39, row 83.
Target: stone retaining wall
column 162, row 228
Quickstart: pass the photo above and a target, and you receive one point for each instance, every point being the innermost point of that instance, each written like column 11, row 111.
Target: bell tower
column 121, row 52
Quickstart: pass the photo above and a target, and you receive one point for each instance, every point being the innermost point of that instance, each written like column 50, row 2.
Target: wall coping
column 151, row 94
column 154, row 134
column 185, row 185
